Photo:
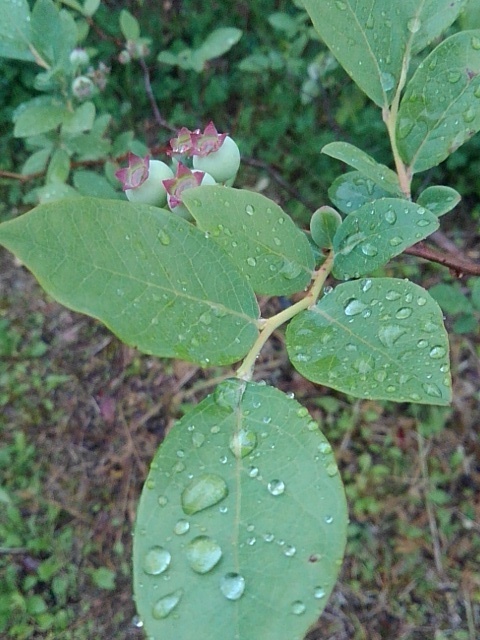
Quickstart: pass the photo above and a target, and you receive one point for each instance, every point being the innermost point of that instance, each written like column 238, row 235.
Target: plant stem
column 246, row 368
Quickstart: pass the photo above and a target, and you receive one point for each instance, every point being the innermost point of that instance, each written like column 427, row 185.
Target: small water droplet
column 421, row 301
column 276, row 487
column 437, row 352
column 413, row 25
column 390, row 216
column 369, row 249
column 268, row 537
column 403, row 313
column 423, row 223
column 163, row 607
column 181, row 527
column 432, row 390
column 253, row 472
column 469, row 114
column 203, row 492
column 162, row 501
column 156, row 561
column 475, row 41
column 354, row 307
column 319, row 593
column 251, row 262
column 243, row 442
column 421, row 344
column 249, row 210
column 232, row 585
column 198, row 439
column 331, row 469
column 289, row 551
column 203, row 554
column 164, row 237
column 290, row 270
column 389, row 334
column 229, row 394
column 454, row 76
column 366, row 285
column 298, row 607
column 395, row 241
column 137, row 622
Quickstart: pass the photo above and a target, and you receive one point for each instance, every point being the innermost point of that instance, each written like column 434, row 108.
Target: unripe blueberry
column 323, row 226
column 180, row 209
column 152, row 191
column 222, row 164
column 83, row 88
column 79, row 57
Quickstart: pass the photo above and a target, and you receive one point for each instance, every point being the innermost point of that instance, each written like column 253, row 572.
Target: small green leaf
column 378, row 231
column 151, row 277
column 451, row 298
column 440, row 109
column 264, row 550
column 55, row 191
column 53, row 33
column 260, row 238
column 90, row 7
column 439, row 199
column 368, row 167
column 37, row 161
column 323, row 226
column 129, row 25
column 80, row 120
column 218, row 42
column 351, row 190
column 59, row 167
column 89, row 183
column 15, row 30
column 373, row 40
column 104, row 578
column 38, row 116
column 379, row 338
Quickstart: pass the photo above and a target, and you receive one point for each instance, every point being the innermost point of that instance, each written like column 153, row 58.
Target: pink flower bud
column 184, row 179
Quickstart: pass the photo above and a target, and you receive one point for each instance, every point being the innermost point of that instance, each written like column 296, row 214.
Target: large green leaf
column 151, row 277
column 259, row 237
column 15, row 30
column 377, row 338
column 242, row 521
column 381, row 175
column 376, row 232
column 352, row 190
column 53, row 32
column 372, row 38
column 38, row 116
column 441, row 106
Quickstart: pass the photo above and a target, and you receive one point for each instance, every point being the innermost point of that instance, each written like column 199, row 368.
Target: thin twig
column 153, row 103
column 459, row 266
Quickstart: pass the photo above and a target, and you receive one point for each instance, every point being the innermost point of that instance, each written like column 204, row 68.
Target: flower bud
column 83, row 88
column 79, row 57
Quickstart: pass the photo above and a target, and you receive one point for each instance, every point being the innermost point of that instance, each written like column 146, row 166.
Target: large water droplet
column 403, row 313
column 249, row 210
column 289, row 551
column 276, row 487
column 243, row 442
column 349, row 243
column 203, row 492
column 354, row 307
column 232, row 585
column 469, row 114
column 156, row 561
column 331, row 469
column 203, row 554
column 395, row 241
column 454, row 76
column 298, row 607
column 475, row 43
column 393, row 295
column 369, row 249
column 181, row 527
column 387, row 80
column 437, row 352
column 163, row 607
column 389, row 334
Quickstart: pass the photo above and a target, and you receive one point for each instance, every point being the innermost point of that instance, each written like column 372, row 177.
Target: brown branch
column 459, row 266
column 153, row 103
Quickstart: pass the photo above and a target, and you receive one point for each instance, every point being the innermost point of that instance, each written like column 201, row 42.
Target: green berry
column 222, row 164
column 152, row 190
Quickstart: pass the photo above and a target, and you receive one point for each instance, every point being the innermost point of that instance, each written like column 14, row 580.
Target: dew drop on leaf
column 181, row 527
column 198, row 439
column 251, row 262
column 389, row 334
column 328, row 519
column 232, row 585
column 369, row 249
column 203, row 553
column 298, row 607
column 276, row 487
column 203, row 492
column 403, row 313
column 395, row 241
column 354, row 307
column 413, row 25
column 319, row 593
column 390, row 216
column 163, row 607
column 164, row 237
column 289, row 551
column 156, row 561
column 243, row 442
column 437, row 352
column 249, row 210
column 432, row 390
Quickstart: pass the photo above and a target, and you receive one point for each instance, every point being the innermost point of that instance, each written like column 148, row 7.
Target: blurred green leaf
column 129, row 25
column 218, row 42
column 352, row 190
column 15, row 30
column 38, row 116
column 439, row 199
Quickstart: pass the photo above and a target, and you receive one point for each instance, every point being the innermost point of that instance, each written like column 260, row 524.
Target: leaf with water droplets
column 440, row 109
column 369, row 168
column 439, row 199
column 260, row 238
column 15, row 30
column 379, row 338
column 151, row 277
column 265, row 545
column 373, row 40
column 352, row 190
column 376, row 232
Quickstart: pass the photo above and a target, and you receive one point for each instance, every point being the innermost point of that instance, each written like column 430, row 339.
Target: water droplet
column 290, row 270
column 354, row 307
column 319, row 593
column 369, row 249
column 251, row 262
column 421, row 301
column 137, row 622
column 253, row 472
column 229, row 394
column 302, row 412
column 421, row 344
column 413, row 25
column 205, row 318
column 403, row 312
column 475, row 43
column 164, row 237
column 469, row 114
column 389, row 334
column 203, row 554
column 198, row 439
column 366, row 285
column 232, row 585
column 163, row 607
column 393, row 295
column 298, row 606
column 181, row 527
column 268, row 537
column 387, row 80
column 349, row 243
column 423, row 223
column 331, row 469
column 395, row 241
column 432, row 390
column 249, row 210
column 437, row 352
column 324, row 447
column 243, row 442
column 203, row 492
column 390, row 216
column 162, row 501
column 454, row 76
column 289, row 551
column 476, row 92
column 156, row 561
column 276, row 487
column 277, row 241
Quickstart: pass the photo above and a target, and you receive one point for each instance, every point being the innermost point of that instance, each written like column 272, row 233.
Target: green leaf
column 368, row 167
column 439, row 199
column 451, row 298
column 15, row 33
column 373, row 40
column 80, row 120
column 376, row 232
column 55, row 191
column 218, row 42
column 90, row 7
column 242, row 521
column 37, row 161
column 379, row 338
column 129, row 25
column 151, row 277
column 441, row 106
column 352, row 190
column 90, row 183
column 53, row 33
column 260, row 238
column 59, row 166
column 38, row 116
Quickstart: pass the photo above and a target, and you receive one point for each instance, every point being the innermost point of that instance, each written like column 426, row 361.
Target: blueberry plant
column 241, row 525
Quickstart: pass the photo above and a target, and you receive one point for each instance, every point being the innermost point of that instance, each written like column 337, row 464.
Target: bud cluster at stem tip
column 215, row 159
